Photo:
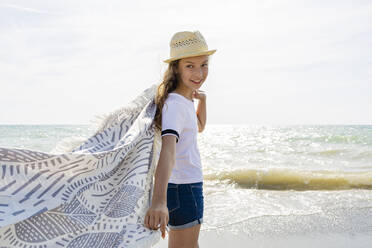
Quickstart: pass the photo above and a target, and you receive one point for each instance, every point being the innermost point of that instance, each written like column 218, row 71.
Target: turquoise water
column 265, row 179
column 39, row 137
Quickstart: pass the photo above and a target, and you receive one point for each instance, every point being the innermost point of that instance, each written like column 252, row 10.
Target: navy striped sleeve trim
column 171, row 132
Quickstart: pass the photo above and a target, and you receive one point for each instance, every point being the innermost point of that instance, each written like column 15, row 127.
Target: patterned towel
column 93, row 196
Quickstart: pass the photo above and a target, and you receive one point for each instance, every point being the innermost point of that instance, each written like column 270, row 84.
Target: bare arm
column 164, row 169
column 158, row 211
column 201, row 113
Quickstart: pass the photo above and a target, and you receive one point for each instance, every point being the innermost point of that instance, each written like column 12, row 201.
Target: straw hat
column 188, row 44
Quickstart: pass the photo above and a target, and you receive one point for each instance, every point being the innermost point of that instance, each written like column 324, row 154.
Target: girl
column 177, row 199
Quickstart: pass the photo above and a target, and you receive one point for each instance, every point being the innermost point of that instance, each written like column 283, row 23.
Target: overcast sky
column 277, row 62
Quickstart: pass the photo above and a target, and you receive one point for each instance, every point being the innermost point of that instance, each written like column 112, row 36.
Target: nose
column 198, row 74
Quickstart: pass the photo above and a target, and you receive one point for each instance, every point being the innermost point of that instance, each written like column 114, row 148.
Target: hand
column 199, row 94
column 157, row 215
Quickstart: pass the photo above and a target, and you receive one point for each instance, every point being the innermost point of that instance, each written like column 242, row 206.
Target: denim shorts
column 185, row 204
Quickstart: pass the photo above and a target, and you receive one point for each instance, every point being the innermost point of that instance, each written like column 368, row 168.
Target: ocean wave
column 332, row 138
column 287, row 179
column 363, row 155
column 331, row 152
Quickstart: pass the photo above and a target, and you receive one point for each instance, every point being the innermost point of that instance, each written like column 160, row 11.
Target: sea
column 266, row 180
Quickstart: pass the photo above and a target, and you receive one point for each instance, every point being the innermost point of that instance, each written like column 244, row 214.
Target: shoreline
column 233, row 240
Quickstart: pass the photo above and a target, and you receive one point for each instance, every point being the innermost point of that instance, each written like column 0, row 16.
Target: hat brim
column 209, row 52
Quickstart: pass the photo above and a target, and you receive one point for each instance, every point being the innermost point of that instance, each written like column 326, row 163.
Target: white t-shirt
column 179, row 119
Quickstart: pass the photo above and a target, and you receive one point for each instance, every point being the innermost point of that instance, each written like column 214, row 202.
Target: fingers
column 156, row 222
column 152, row 222
column 163, row 224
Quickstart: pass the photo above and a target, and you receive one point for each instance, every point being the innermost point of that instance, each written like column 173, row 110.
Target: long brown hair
column 169, row 84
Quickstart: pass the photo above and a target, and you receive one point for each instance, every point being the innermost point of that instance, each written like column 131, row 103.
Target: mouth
column 196, row 82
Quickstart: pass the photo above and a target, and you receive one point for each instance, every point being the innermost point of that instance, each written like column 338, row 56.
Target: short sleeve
column 172, row 120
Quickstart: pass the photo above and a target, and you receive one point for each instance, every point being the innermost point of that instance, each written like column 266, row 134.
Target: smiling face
column 192, row 72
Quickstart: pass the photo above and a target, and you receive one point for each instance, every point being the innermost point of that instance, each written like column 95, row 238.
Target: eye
column 190, row 66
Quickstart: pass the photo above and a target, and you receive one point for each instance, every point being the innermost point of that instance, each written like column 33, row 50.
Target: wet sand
column 229, row 239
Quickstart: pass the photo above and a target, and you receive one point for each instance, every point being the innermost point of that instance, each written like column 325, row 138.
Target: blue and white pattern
column 95, row 195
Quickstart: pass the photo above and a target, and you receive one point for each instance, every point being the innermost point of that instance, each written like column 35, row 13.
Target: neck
column 185, row 91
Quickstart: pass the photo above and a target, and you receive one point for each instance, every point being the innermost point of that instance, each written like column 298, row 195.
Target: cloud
column 92, row 56
column 20, row 8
